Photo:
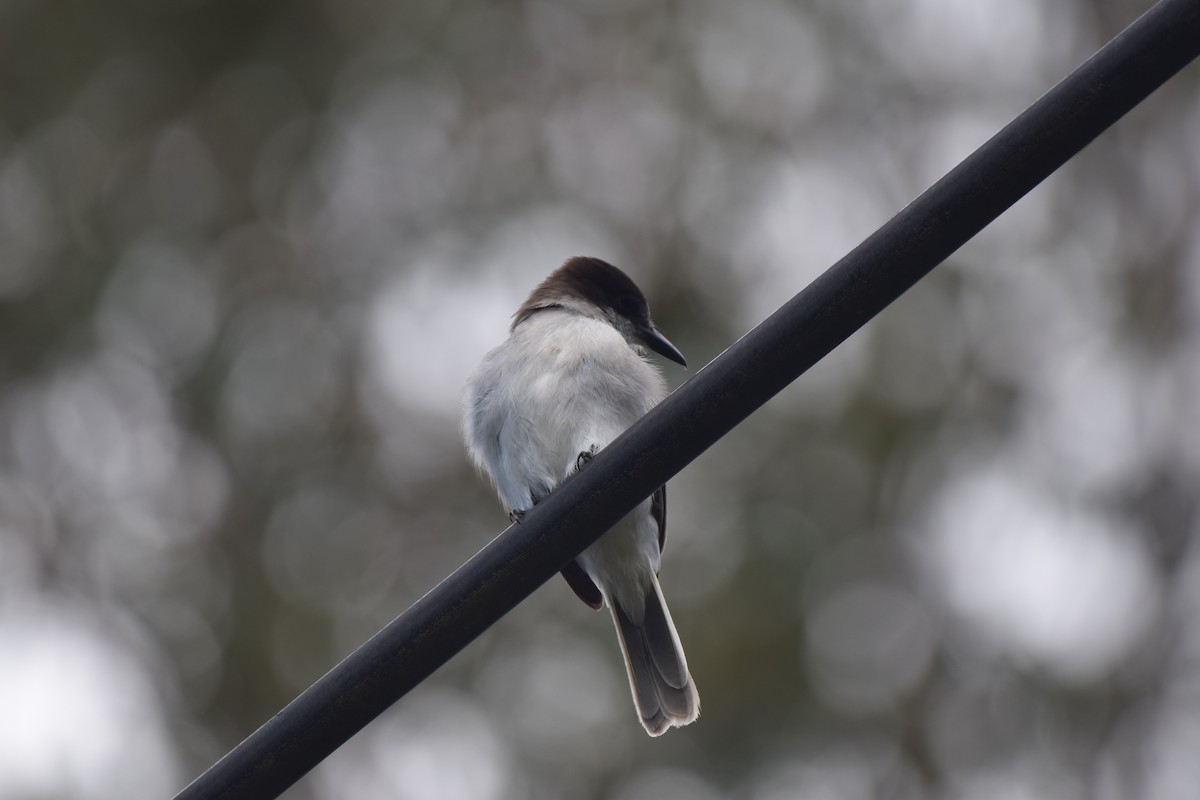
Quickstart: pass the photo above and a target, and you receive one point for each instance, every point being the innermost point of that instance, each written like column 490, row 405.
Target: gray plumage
column 570, row 378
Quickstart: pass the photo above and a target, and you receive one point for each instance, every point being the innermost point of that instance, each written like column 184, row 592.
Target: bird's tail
column 663, row 690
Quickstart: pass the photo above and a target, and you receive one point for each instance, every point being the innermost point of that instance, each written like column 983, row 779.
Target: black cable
column 708, row 406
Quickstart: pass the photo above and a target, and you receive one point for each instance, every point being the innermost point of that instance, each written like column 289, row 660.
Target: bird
column 572, row 375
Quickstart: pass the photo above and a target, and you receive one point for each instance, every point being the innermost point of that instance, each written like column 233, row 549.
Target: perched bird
column 569, row 379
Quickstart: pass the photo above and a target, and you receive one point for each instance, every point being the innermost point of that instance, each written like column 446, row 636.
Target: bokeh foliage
column 249, row 253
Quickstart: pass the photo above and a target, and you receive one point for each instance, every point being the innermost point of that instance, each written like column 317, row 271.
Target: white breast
column 561, row 384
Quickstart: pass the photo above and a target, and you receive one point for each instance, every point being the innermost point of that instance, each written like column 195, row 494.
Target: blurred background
column 958, row 559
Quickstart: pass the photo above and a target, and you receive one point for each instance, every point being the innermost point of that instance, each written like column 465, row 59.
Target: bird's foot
column 516, row 515
column 585, row 457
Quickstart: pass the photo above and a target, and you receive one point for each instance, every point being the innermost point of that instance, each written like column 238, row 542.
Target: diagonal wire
column 1119, row 76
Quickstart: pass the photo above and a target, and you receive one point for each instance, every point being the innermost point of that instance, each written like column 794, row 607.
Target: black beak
column 659, row 344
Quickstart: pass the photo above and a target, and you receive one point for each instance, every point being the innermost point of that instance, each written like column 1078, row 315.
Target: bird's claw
column 516, row 515
column 585, row 457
